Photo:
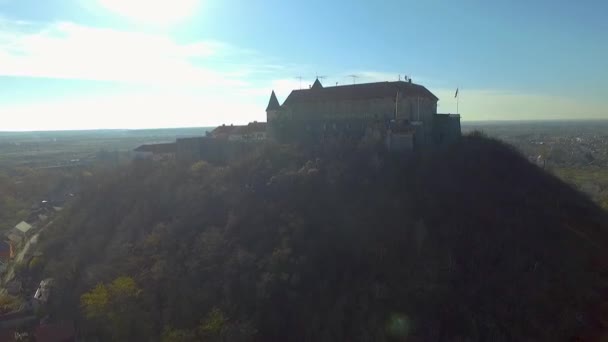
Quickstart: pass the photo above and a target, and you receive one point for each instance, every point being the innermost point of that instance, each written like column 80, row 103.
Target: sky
column 88, row 64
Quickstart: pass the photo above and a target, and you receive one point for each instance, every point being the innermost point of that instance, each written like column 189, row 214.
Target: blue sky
column 174, row 63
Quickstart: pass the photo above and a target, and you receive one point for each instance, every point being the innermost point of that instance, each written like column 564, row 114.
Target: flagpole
column 457, row 100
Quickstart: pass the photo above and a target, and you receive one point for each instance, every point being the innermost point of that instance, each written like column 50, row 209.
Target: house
column 225, row 132
column 44, row 290
column 22, row 228
column 254, row 131
column 155, row 151
column 7, row 251
column 40, row 212
column 14, row 238
column 310, row 115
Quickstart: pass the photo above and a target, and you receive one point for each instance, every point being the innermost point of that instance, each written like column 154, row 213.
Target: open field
column 561, row 143
column 53, row 148
column 576, row 151
column 36, row 166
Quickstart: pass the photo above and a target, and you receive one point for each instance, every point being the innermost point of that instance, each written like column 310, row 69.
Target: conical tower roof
column 317, row 85
column 273, row 103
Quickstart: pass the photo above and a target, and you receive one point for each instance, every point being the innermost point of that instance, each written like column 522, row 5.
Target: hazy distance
column 112, row 64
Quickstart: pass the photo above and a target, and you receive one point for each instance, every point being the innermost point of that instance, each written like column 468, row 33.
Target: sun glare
column 155, row 12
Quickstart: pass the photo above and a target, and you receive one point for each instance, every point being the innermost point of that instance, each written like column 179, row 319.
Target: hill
column 470, row 242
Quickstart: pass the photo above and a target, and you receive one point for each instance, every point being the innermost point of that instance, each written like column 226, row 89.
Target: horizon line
column 213, row 126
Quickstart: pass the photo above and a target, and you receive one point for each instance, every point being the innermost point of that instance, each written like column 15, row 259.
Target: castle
column 403, row 113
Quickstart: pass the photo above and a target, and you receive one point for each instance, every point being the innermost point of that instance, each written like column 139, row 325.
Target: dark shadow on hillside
column 470, row 241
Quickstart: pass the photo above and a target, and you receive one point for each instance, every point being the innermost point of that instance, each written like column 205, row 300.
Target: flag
column 456, row 94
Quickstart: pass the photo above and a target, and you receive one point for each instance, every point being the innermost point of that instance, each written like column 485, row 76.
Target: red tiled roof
column 224, row 129
column 157, row 148
column 363, row 91
column 252, row 127
column 5, row 251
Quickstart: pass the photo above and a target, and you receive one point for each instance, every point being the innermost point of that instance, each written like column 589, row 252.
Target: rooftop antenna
column 300, row 78
column 354, row 77
column 321, row 77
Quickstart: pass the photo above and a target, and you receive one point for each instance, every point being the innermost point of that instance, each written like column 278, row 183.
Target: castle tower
column 273, row 108
column 272, row 113
column 317, row 85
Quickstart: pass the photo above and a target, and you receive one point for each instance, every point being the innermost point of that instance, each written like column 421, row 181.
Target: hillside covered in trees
column 470, row 242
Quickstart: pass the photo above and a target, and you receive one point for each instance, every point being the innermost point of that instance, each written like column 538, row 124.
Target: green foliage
column 99, row 302
column 171, row 335
column 115, row 305
column 213, row 324
column 199, row 167
column 8, row 304
column 579, row 176
column 604, row 203
column 95, row 303
column 20, row 269
column 591, row 180
column 398, row 326
column 25, row 187
column 467, row 242
column 36, row 264
column 124, row 288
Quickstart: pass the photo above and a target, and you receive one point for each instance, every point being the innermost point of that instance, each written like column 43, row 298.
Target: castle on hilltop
column 403, row 113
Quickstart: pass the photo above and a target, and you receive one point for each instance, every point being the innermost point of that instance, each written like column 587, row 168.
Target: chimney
column 409, row 80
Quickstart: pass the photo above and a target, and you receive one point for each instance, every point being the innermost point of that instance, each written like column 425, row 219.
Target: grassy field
column 43, row 149
column 575, row 151
column 591, row 180
column 37, row 165
column 36, row 150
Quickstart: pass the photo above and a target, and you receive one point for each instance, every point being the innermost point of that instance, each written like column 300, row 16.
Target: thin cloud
column 168, row 83
column 133, row 109
column 66, row 50
column 210, row 82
